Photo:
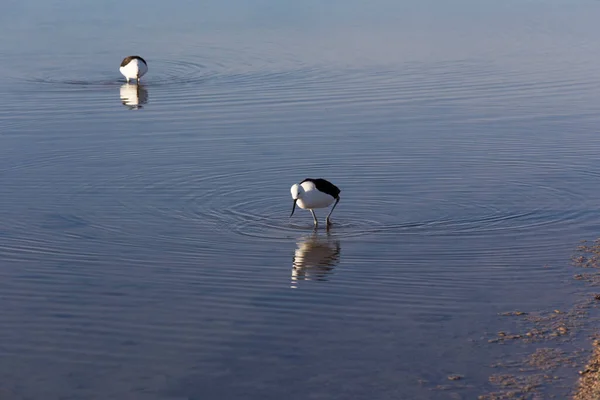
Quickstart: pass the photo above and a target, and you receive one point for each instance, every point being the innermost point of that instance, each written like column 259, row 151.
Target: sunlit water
column 145, row 246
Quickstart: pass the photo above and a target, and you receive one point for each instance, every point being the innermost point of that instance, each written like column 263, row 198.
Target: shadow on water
column 315, row 258
column 133, row 96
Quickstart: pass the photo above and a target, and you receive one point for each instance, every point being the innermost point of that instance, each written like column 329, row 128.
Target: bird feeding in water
column 133, row 67
column 315, row 193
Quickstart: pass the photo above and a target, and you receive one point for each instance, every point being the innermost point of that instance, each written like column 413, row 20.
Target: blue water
column 146, row 249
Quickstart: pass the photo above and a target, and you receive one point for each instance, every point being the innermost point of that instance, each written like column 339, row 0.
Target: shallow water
column 144, row 234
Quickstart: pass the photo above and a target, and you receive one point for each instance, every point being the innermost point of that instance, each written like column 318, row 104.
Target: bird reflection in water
column 315, row 258
column 133, row 95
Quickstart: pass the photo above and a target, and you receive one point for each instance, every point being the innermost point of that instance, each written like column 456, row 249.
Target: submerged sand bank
column 554, row 335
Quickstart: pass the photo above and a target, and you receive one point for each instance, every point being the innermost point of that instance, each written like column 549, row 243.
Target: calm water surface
column 146, row 250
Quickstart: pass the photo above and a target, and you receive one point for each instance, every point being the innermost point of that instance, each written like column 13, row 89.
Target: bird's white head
column 297, row 190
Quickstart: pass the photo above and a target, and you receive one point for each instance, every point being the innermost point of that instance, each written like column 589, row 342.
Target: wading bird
column 315, row 193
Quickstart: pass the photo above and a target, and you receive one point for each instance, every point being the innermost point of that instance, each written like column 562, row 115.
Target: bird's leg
column 315, row 218
column 332, row 208
column 127, row 79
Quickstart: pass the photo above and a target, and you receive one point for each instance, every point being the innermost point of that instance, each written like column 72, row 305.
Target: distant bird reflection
column 315, row 258
column 133, row 95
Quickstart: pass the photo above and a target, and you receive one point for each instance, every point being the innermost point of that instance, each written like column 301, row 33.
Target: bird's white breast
column 314, row 199
column 136, row 68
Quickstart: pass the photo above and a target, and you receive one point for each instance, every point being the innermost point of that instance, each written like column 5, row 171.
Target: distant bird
column 133, row 67
column 315, row 193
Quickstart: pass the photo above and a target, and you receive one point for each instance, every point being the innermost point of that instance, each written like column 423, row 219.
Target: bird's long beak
column 293, row 209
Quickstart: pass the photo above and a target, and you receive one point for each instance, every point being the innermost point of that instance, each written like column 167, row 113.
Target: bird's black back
column 324, row 186
column 127, row 60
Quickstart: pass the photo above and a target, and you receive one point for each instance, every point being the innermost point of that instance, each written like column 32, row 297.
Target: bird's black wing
column 324, row 186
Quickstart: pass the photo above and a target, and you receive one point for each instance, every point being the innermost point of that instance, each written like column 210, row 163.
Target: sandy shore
column 588, row 386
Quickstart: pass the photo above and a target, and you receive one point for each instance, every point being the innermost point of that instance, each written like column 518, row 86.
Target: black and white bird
column 133, row 67
column 315, row 193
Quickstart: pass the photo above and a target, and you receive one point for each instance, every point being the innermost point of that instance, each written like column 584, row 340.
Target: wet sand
column 551, row 340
